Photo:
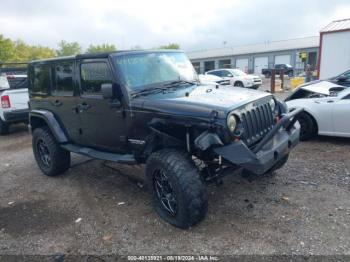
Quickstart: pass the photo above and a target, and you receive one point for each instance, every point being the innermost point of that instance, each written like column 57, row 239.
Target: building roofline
column 257, row 43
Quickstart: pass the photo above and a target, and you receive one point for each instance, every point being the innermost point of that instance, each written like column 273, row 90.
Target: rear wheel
column 51, row 158
column 307, row 127
column 178, row 193
column 4, row 128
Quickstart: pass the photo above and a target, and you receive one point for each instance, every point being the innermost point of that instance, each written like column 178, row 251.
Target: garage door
column 242, row 64
column 282, row 59
column 260, row 63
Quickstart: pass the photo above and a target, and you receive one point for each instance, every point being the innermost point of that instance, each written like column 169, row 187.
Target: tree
column 24, row 52
column 65, row 48
column 6, row 49
column 170, row 46
column 101, row 48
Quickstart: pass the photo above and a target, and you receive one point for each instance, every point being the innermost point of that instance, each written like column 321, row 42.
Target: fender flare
column 51, row 122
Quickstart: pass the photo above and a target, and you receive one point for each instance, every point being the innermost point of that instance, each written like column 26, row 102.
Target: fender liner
column 51, row 122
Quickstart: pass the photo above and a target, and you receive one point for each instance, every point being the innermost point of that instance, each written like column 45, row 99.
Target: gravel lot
column 102, row 208
column 303, row 209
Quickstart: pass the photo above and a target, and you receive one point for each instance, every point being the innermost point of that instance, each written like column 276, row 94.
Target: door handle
column 330, row 101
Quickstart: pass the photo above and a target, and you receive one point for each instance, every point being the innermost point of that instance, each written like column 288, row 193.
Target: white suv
column 237, row 77
column 13, row 97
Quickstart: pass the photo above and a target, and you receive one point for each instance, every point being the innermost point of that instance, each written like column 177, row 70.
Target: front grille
column 256, row 123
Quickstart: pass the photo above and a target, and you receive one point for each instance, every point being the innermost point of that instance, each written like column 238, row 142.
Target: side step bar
column 125, row 159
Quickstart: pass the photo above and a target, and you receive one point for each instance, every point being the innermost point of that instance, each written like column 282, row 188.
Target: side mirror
column 229, row 75
column 107, row 90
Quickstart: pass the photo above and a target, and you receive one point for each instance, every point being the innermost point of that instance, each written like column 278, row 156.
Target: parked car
column 287, row 70
column 14, row 97
column 237, row 77
column 326, row 109
column 212, row 80
column 342, row 80
column 148, row 107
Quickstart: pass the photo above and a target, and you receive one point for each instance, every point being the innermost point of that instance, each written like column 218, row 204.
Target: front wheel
column 307, row 127
column 239, row 84
column 51, row 158
column 178, row 193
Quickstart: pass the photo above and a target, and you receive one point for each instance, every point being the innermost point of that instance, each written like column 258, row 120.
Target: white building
column 334, row 55
column 254, row 57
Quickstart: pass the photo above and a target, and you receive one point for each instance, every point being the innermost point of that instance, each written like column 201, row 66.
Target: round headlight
column 231, row 123
column 272, row 104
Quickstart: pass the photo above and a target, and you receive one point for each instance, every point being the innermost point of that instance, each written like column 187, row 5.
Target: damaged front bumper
column 276, row 144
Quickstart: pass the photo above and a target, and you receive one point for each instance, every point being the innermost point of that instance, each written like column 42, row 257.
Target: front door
column 102, row 124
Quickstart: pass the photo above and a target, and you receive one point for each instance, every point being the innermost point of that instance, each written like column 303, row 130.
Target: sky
column 194, row 24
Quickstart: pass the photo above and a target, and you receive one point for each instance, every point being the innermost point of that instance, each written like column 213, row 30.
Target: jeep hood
column 202, row 100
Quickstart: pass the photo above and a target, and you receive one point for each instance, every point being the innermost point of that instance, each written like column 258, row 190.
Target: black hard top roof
column 102, row 55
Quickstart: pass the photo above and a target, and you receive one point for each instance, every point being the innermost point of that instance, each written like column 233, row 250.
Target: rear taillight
column 5, row 102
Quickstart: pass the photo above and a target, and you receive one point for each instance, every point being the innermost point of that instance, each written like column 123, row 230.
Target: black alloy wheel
column 165, row 192
column 43, row 152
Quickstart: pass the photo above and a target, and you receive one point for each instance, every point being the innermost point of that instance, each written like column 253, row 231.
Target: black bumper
column 16, row 116
column 269, row 151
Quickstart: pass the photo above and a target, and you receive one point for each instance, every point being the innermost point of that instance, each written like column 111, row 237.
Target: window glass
column 215, row 73
column 197, row 67
column 41, row 83
column 63, row 79
column 346, row 74
column 226, row 73
column 93, row 75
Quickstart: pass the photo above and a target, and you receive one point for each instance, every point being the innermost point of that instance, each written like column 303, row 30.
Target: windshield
column 149, row 69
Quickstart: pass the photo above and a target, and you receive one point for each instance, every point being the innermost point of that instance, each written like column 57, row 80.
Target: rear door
column 63, row 100
column 103, row 124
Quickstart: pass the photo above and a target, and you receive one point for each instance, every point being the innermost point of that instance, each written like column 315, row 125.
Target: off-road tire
column 59, row 158
column 4, row 128
column 190, row 191
column 307, row 127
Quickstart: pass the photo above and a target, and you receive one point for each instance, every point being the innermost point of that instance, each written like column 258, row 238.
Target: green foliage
column 101, row 48
column 170, row 46
column 6, row 49
column 68, row 48
column 19, row 51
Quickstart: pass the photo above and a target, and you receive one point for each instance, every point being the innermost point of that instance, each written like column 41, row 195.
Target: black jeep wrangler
column 148, row 107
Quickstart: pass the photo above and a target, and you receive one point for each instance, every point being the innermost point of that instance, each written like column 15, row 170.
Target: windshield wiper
column 147, row 91
column 177, row 83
